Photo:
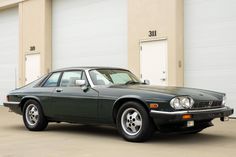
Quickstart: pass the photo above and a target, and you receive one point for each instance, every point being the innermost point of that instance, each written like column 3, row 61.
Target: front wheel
column 33, row 116
column 133, row 122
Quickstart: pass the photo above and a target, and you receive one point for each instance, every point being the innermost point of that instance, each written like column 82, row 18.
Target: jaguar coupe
column 115, row 96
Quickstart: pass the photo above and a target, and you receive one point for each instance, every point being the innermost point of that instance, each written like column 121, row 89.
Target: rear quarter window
column 52, row 81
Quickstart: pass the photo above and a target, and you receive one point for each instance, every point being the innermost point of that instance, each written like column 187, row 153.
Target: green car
column 115, row 96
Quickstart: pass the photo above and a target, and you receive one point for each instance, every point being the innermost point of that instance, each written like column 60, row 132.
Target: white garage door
column 8, row 51
column 89, row 33
column 210, row 46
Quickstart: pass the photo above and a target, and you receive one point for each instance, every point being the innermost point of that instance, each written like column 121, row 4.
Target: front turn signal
column 153, row 106
column 186, row 116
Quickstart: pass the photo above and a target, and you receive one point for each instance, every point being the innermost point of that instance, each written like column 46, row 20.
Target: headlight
column 175, row 103
column 182, row 102
column 223, row 101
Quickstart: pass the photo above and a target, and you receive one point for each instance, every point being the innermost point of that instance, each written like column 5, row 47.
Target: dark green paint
column 95, row 105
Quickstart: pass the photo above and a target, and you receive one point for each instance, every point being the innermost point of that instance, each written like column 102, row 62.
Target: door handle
column 163, row 79
column 59, row 90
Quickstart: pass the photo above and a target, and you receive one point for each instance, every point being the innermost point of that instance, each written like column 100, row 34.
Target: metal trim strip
column 187, row 112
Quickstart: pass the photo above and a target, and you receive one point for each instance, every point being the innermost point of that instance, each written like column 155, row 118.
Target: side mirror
column 80, row 83
column 147, row 82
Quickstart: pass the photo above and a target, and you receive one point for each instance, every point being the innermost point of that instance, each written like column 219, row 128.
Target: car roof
column 87, row 68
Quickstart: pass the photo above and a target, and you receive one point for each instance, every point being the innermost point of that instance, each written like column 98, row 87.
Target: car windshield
column 112, row 76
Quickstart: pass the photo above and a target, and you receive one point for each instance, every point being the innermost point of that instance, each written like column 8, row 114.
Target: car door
column 71, row 102
column 44, row 92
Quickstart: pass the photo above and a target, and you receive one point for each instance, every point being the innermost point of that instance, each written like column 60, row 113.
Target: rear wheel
column 33, row 116
column 133, row 122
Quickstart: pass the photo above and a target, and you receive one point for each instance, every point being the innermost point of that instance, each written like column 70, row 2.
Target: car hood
column 196, row 94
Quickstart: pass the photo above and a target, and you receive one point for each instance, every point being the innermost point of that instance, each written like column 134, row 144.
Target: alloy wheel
column 131, row 121
column 32, row 114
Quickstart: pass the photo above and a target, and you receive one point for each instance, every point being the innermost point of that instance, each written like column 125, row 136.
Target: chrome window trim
column 89, row 78
column 187, row 112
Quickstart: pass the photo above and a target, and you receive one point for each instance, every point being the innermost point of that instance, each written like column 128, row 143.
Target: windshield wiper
column 132, row 82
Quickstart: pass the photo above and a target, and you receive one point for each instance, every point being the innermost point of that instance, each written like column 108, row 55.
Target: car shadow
column 91, row 130
column 190, row 139
column 111, row 132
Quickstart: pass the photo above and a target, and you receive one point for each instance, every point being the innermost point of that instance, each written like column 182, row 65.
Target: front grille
column 206, row 104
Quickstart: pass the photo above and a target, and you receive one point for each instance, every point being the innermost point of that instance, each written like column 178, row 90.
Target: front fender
column 121, row 100
column 130, row 97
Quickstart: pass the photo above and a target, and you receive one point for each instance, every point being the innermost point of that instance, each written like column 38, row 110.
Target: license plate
column 190, row 123
column 226, row 118
column 223, row 119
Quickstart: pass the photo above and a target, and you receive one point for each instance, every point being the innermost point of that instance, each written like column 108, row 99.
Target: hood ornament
column 210, row 103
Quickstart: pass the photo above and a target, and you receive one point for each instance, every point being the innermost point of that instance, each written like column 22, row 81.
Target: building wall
column 34, row 31
column 35, row 19
column 4, row 4
column 9, row 30
column 165, row 16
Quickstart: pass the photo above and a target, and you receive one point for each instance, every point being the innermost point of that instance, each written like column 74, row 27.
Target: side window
column 69, row 78
column 52, row 80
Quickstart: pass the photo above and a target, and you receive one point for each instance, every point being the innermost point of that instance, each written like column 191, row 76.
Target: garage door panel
column 85, row 45
column 86, row 59
column 219, row 10
column 8, row 51
column 210, row 46
column 202, row 78
column 212, row 35
column 211, row 21
column 211, row 38
column 210, row 58
column 7, row 79
column 88, row 30
column 100, row 60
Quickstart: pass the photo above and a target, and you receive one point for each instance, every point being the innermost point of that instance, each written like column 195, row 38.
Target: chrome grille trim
column 206, row 104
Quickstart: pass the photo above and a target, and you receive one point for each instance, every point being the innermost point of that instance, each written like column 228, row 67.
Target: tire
column 134, row 123
column 33, row 116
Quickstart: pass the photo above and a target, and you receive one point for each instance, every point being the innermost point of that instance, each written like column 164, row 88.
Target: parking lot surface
column 98, row 141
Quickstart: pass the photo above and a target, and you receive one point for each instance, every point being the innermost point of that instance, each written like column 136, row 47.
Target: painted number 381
column 152, row 33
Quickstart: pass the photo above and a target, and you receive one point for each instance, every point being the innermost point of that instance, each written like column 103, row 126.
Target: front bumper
column 163, row 117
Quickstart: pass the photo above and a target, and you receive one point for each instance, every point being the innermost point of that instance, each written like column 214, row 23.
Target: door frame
column 167, row 56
